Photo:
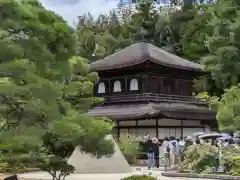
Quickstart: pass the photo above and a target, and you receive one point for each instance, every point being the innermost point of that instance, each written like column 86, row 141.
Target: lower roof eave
column 160, row 115
column 153, row 110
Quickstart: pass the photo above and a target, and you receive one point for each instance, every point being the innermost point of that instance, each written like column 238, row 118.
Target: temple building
column 149, row 90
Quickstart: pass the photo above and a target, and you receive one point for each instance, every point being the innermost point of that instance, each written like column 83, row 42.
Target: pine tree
column 44, row 92
column 145, row 20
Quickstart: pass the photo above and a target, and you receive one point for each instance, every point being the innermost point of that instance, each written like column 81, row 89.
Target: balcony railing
column 154, row 98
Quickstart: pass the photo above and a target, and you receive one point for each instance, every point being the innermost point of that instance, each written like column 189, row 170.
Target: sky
column 70, row 9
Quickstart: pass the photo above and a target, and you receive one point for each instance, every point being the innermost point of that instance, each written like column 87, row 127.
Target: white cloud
column 70, row 9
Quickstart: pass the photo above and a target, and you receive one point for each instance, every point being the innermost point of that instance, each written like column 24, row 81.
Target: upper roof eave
column 141, row 52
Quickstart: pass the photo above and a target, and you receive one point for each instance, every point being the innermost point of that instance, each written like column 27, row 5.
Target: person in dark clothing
column 151, row 158
column 197, row 141
column 214, row 143
column 181, row 148
column 156, row 150
column 189, row 142
column 155, row 147
column 231, row 141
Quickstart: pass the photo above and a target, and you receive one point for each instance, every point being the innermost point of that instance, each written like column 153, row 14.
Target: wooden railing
column 153, row 97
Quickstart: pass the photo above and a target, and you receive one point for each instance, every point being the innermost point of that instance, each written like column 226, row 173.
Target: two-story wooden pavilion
column 147, row 89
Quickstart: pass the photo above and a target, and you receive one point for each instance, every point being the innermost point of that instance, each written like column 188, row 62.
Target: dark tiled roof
column 170, row 110
column 141, row 52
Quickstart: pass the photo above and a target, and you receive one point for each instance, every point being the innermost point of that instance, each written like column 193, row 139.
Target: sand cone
column 86, row 163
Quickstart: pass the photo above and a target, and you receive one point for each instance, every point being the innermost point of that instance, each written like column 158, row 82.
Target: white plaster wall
column 169, row 122
column 148, row 122
column 207, row 129
column 167, row 132
column 191, row 123
column 161, row 122
column 163, row 132
column 191, row 131
column 138, row 132
column 127, row 123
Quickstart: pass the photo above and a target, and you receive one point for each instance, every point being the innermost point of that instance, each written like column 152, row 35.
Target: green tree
column 178, row 22
column 194, row 35
column 44, row 93
column 222, row 61
column 108, row 33
column 145, row 19
column 86, row 43
column 228, row 112
column 129, row 147
column 36, row 45
column 100, row 36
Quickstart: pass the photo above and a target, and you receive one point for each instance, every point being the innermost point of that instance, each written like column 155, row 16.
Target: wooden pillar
column 178, row 89
column 182, row 128
column 109, row 86
column 161, row 91
column 143, row 83
column 118, row 130
column 163, row 86
column 126, row 84
column 157, row 127
column 137, row 127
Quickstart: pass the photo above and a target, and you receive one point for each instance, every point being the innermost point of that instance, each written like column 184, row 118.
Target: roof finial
column 140, row 35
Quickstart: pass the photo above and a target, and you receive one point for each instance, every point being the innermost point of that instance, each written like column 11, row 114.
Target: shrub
column 17, row 160
column 144, row 177
column 129, row 147
column 205, row 159
column 235, row 165
column 231, row 158
column 200, row 159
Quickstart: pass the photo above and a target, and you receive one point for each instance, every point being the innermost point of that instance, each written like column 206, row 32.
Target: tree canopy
column 45, row 91
column 228, row 110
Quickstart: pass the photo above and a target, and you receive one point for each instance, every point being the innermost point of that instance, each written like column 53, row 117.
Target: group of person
column 173, row 149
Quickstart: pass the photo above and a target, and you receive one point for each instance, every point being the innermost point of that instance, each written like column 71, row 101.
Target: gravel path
column 45, row 176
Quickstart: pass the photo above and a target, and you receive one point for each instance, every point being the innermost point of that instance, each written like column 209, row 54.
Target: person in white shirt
column 173, row 150
column 146, row 137
column 166, row 149
column 220, row 143
column 181, row 148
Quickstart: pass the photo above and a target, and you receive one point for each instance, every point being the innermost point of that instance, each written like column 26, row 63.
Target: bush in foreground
column 144, row 177
column 129, row 147
column 231, row 158
column 207, row 159
column 200, row 159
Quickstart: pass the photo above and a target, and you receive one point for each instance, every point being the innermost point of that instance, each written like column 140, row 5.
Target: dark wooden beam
column 144, row 118
column 182, row 128
column 122, row 77
column 137, row 126
column 157, row 127
column 126, row 84
column 109, row 86
column 118, row 130
column 161, row 127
